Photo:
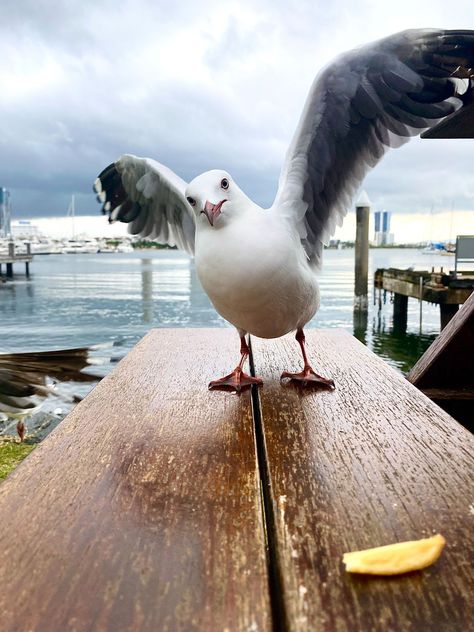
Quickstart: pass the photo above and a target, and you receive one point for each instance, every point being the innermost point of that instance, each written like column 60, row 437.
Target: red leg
column 237, row 380
column 307, row 375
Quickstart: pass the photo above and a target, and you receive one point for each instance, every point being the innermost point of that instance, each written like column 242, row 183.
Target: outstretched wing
column 150, row 198
column 366, row 101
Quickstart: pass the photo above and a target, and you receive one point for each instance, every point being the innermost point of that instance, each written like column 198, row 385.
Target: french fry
column 394, row 559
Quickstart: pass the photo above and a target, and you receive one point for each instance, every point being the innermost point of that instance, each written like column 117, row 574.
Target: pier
column 12, row 257
column 448, row 290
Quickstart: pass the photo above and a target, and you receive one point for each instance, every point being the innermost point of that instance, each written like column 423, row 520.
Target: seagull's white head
column 214, row 195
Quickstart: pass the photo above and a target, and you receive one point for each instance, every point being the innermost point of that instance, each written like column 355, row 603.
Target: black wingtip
column 106, row 186
column 108, row 171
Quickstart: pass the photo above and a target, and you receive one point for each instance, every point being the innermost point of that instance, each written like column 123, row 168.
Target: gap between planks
column 275, row 581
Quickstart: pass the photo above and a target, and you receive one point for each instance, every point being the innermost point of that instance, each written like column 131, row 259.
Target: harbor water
column 109, row 301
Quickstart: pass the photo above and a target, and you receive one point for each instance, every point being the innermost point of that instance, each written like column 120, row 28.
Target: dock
column 12, row 257
column 157, row 505
column 448, row 290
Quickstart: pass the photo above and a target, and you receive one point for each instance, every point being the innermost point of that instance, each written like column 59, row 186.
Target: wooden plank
column 141, row 512
column 459, row 124
column 372, row 463
column 449, row 360
column 16, row 258
column 448, row 393
column 448, row 365
column 442, row 295
column 404, row 288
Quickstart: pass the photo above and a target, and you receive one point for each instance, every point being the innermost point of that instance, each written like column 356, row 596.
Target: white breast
column 256, row 275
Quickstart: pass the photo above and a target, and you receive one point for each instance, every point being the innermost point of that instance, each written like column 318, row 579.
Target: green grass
column 11, row 454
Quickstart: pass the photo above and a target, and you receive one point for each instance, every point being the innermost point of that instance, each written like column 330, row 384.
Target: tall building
column 5, row 212
column 382, row 236
column 377, row 217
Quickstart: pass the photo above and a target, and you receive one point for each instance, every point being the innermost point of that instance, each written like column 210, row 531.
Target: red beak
column 212, row 211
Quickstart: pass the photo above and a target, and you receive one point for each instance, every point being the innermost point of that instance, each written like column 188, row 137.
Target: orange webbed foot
column 235, row 381
column 307, row 377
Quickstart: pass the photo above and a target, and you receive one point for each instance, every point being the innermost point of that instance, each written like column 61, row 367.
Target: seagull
column 259, row 265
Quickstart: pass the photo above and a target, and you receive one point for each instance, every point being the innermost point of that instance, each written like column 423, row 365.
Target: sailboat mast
column 71, row 212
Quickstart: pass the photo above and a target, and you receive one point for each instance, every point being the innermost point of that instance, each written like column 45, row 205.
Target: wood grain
column 372, row 463
column 141, row 512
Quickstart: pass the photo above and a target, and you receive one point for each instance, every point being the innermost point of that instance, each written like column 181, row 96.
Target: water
column 83, row 300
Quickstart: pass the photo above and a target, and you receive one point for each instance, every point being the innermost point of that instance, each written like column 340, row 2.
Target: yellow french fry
column 394, row 559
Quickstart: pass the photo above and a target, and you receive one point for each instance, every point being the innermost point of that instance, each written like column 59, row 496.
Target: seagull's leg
column 237, row 380
column 307, row 375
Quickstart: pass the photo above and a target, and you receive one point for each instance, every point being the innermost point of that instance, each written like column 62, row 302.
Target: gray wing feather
column 150, row 198
column 366, row 101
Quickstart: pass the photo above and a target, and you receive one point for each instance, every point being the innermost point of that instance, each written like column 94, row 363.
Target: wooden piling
column 360, row 322
column 400, row 312
column 447, row 311
column 362, row 253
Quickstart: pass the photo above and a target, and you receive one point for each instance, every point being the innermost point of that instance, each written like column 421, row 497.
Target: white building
column 24, row 229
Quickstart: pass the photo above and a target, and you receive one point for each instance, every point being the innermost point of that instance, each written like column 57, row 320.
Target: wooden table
column 158, row 506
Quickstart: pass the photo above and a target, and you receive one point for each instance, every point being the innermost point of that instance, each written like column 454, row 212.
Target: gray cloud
column 205, row 85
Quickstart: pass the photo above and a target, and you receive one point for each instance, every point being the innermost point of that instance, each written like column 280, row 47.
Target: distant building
column 24, row 229
column 5, row 212
column 377, row 221
column 382, row 234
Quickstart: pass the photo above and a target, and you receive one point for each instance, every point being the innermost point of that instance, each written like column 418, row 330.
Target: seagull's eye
column 224, row 183
column 191, row 201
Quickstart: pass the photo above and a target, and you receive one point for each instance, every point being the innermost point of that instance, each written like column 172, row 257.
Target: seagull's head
column 214, row 195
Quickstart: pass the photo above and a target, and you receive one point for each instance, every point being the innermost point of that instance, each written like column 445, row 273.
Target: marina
column 47, row 246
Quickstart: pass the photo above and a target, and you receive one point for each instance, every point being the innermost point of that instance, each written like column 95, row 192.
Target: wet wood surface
column 372, row 463
column 141, row 512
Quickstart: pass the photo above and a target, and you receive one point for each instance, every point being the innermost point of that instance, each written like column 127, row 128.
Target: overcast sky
column 196, row 85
